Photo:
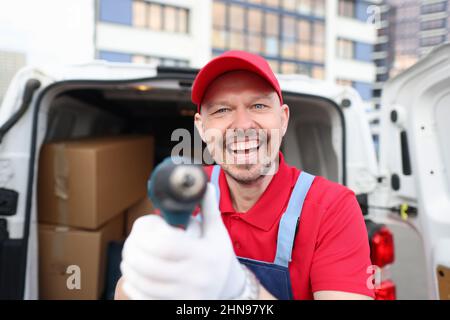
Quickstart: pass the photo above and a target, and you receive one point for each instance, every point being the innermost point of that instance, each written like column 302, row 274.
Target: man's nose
column 243, row 119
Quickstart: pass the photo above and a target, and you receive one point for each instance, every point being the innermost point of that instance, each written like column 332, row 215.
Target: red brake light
column 382, row 247
column 385, row 291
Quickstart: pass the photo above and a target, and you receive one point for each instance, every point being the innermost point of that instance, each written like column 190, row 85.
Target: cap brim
column 218, row 67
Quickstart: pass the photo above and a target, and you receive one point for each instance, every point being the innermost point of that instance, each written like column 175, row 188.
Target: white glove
column 163, row 262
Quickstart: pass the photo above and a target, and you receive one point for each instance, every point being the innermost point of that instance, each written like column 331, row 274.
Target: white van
column 328, row 135
column 415, row 160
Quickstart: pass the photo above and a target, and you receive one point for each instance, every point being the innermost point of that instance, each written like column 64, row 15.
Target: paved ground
column 409, row 269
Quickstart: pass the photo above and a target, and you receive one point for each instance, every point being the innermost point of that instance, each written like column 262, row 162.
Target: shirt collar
column 267, row 210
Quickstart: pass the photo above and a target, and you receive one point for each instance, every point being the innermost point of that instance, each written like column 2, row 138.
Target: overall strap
column 290, row 218
column 215, row 180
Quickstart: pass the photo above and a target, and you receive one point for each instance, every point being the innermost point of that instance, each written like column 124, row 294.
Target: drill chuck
column 176, row 189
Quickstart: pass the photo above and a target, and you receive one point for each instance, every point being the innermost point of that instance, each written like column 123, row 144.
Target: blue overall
column 275, row 276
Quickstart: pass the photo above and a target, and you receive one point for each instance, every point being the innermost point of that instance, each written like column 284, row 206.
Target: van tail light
column 382, row 255
column 382, row 247
column 385, row 291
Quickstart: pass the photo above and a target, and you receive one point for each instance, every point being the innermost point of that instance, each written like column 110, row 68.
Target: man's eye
column 221, row 110
column 259, row 106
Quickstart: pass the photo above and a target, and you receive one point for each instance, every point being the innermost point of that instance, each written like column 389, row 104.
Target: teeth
column 242, row 146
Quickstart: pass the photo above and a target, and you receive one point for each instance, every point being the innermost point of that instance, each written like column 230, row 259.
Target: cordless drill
column 176, row 188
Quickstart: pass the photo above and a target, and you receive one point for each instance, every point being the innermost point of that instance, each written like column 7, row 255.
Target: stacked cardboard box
column 72, row 261
column 84, row 189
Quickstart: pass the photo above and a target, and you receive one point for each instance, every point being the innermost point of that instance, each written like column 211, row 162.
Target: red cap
column 232, row 61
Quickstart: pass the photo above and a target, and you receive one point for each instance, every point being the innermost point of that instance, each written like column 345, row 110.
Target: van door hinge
column 4, row 235
column 8, row 202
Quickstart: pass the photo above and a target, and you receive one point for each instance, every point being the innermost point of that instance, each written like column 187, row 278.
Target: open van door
column 23, row 126
column 16, row 130
column 415, row 159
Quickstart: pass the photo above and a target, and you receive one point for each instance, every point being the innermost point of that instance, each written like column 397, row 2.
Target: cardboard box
column 139, row 209
column 72, row 262
column 85, row 183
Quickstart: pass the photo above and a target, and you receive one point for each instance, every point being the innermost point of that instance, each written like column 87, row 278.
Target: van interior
column 72, row 111
column 313, row 141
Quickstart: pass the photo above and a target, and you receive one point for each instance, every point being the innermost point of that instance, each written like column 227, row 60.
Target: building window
column 219, row 15
column 360, row 10
column 363, row 51
column 170, row 19
column 304, row 6
column 271, row 34
column 318, row 72
column 271, row 24
column 255, row 43
column 274, row 65
column 289, row 41
column 169, row 62
column 434, row 7
column 220, row 38
column 319, row 8
column 344, row 82
column 183, row 20
column 271, row 46
column 116, row 11
column 139, row 14
column 345, row 49
column 318, row 42
column 237, row 18
column 255, row 30
column 288, row 37
column 288, row 48
column 143, row 59
column 433, row 24
column 364, row 89
column 304, row 51
column 272, row 3
column 155, row 17
column 381, row 47
column 288, row 27
column 304, row 40
column 115, row 56
column 381, row 63
column 159, row 17
column 237, row 40
column 432, row 41
column 382, row 77
column 346, row 8
column 289, row 5
column 304, row 30
column 237, row 26
column 304, row 69
column 288, row 68
column 255, row 21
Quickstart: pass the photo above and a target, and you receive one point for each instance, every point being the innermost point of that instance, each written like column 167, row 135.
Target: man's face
column 242, row 123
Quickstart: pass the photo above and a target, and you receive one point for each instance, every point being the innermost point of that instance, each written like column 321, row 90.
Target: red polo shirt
column 331, row 249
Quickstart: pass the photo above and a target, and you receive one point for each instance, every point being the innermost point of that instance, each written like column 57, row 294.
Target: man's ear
column 198, row 121
column 284, row 118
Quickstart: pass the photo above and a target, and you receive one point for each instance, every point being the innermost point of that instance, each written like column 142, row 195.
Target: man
column 280, row 232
